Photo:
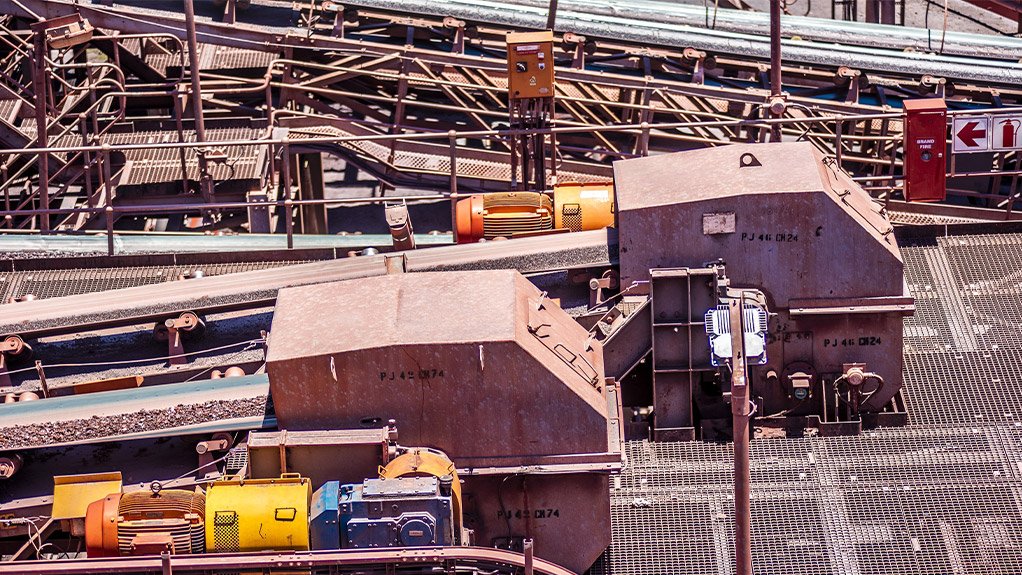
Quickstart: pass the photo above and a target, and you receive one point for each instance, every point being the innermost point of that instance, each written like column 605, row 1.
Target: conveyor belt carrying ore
column 207, row 406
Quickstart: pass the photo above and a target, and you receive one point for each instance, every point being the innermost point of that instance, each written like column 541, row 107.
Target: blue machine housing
column 324, row 532
column 397, row 512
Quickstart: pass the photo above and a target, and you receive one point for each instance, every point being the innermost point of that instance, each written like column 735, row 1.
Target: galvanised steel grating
column 906, row 501
column 963, row 348
column 943, row 495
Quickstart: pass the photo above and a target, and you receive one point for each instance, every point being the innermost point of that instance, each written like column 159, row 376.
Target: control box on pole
column 530, row 65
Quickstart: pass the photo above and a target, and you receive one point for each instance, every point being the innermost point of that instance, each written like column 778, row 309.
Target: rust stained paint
column 450, row 356
column 802, row 230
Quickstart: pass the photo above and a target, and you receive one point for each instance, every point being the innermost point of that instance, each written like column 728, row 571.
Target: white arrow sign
column 971, row 134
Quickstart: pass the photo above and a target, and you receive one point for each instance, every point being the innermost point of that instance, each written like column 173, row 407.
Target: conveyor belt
column 205, row 406
column 609, row 22
column 809, row 29
column 60, row 283
column 250, row 289
column 22, row 246
column 593, row 25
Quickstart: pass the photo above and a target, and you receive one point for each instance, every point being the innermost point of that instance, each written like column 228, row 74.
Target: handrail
column 510, row 561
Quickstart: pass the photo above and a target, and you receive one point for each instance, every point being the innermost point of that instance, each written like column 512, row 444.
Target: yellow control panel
column 530, row 65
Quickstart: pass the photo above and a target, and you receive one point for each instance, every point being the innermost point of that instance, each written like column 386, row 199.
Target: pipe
column 551, row 16
column 193, row 64
column 42, row 121
column 484, row 558
column 776, row 107
column 205, row 180
column 741, row 413
column 775, row 49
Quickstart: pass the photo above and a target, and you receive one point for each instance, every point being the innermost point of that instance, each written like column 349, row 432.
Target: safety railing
column 883, row 186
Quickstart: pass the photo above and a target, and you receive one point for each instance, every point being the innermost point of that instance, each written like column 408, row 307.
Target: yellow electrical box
column 588, row 206
column 72, row 494
column 258, row 514
column 530, row 65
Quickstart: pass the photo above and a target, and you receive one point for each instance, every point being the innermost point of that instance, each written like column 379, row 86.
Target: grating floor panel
column 163, row 165
column 909, row 501
column 943, row 495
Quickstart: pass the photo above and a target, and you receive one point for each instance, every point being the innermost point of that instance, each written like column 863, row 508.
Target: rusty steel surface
column 478, row 364
column 566, row 515
column 344, row 455
column 801, row 199
column 787, row 223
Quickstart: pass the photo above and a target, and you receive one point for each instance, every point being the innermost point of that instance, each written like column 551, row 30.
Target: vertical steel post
column 838, row 131
column 551, row 15
column 108, row 210
column 775, row 65
column 205, row 181
column 8, row 220
column 741, row 412
column 165, row 568
column 887, row 12
column 528, row 551
column 516, row 139
column 41, row 120
column 43, row 386
column 285, row 180
column 179, row 115
column 453, row 147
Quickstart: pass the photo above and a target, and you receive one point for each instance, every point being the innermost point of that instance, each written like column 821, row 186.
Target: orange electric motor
column 574, row 207
column 580, row 207
column 503, row 214
column 146, row 522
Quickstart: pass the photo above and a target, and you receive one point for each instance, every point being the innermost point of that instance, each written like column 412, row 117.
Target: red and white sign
column 1006, row 132
column 971, row 134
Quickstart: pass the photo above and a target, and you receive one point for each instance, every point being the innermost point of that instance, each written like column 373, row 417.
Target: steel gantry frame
column 415, row 102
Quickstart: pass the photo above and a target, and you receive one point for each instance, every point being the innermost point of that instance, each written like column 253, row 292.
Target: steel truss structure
column 417, row 102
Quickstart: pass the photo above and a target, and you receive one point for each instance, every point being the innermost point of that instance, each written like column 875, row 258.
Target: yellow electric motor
column 258, row 514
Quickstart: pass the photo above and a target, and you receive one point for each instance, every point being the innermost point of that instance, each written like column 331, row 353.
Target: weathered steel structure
column 661, row 299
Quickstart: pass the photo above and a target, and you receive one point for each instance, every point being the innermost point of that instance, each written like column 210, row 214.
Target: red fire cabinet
column 925, row 149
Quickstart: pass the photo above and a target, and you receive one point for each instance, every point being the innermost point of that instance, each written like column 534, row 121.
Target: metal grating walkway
column 943, row 495
column 895, row 501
